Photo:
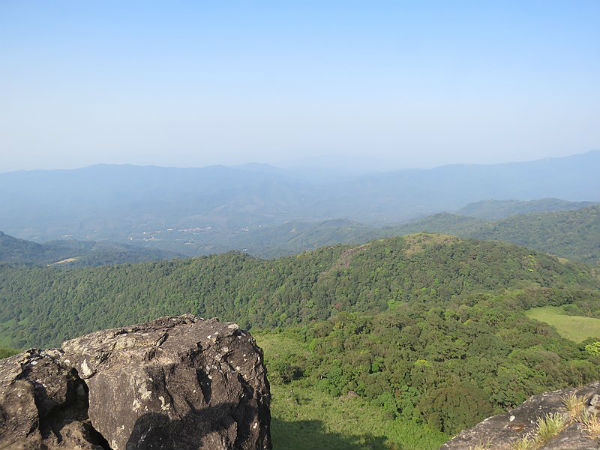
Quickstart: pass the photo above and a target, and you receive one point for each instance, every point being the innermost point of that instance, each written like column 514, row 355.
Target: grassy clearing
column 575, row 328
column 305, row 418
column 418, row 242
column 277, row 345
column 591, row 424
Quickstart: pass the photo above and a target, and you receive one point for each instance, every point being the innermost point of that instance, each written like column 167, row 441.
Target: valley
column 393, row 336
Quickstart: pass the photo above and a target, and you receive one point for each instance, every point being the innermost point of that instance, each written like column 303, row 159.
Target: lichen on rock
column 176, row 382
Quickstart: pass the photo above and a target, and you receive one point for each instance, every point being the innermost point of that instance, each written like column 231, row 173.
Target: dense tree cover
column 42, row 306
column 449, row 365
column 572, row 234
column 429, row 328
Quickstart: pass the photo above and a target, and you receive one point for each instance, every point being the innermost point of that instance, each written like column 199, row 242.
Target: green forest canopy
column 411, row 324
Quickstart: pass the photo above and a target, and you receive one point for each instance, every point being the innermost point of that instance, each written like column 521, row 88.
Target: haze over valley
column 216, row 209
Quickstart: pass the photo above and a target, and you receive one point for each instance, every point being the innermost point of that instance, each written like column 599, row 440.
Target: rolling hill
column 71, row 253
column 573, row 234
column 500, row 209
column 45, row 305
column 426, row 333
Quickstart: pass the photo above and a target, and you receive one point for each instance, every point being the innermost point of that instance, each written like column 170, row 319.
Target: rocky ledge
column 561, row 420
column 174, row 383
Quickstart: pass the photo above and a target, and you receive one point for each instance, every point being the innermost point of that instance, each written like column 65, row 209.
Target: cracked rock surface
column 504, row 430
column 173, row 383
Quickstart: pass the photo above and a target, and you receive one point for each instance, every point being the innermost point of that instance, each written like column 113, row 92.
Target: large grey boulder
column 43, row 404
column 504, row 431
column 174, row 383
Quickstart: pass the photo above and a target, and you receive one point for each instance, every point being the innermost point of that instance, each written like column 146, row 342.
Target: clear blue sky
column 378, row 84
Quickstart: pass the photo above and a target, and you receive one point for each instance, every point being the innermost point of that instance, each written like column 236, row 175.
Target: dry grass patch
column 546, row 428
column 418, row 242
column 575, row 406
column 591, row 424
column 550, row 425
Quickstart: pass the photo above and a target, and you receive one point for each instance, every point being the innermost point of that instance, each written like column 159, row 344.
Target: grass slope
column 575, row 328
column 6, row 352
column 305, row 418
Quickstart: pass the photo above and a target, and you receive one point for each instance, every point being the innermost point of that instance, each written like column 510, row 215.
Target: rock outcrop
column 174, row 383
column 576, row 411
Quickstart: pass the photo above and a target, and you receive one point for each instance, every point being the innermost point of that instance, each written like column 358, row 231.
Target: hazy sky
column 381, row 84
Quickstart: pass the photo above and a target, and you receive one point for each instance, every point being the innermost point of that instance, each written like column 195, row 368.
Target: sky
column 351, row 83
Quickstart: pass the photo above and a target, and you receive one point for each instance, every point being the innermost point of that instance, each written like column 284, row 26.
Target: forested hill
column 500, row 209
column 18, row 250
column 573, row 234
column 427, row 332
column 75, row 253
column 42, row 306
column 571, row 231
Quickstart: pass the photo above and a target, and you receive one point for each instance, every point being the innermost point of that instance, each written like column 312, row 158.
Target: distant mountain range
column 570, row 233
column 499, row 209
column 188, row 209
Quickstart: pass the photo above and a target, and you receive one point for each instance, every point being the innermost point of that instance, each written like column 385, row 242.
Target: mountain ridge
column 45, row 205
column 430, row 330
column 255, row 292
